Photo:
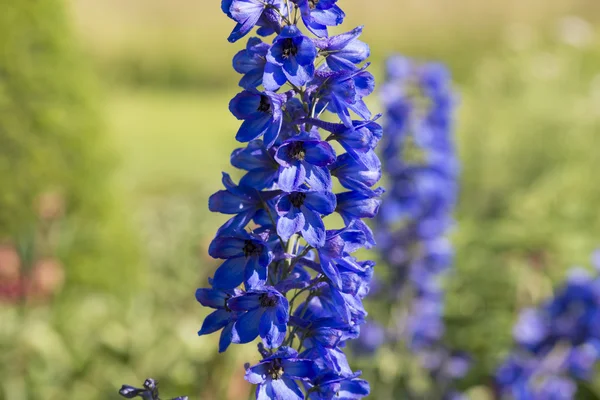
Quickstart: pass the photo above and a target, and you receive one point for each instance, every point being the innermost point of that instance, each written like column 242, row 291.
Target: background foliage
column 135, row 187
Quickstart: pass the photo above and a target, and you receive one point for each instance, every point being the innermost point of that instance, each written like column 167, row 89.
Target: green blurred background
column 114, row 129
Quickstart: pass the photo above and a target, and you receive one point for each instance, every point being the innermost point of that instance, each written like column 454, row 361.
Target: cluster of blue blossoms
column 420, row 163
column 557, row 344
column 286, row 278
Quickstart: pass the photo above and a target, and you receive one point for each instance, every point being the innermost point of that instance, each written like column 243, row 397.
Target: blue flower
column 317, row 15
column 251, row 63
column 246, row 258
column 304, row 160
column 358, row 204
column 344, row 52
column 242, row 201
column 343, row 91
column 247, row 14
column 222, row 318
column 328, row 332
column 276, row 375
column 265, row 313
column 302, row 212
column 359, row 175
column 276, row 244
column 261, row 112
column 360, row 138
column 333, row 386
column 338, row 246
column 290, row 59
column 260, row 164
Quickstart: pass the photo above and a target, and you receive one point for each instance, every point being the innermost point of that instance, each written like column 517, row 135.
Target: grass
column 170, row 140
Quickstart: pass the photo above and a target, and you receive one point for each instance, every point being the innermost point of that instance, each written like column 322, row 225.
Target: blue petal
column 230, row 274
column 339, row 42
column 318, row 178
column 319, row 153
column 226, row 336
column 245, row 329
column 285, row 389
column 253, row 128
column 314, row 229
column 245, row 104
column 251, row 157
column 298, row 369
column 226, row 247
column 255, row 274
column 252, row 79
column 260, row 178
column 297, row 74
column 271, row 332
column 247, row 15
column 354, row 389
column 245, row 302
column 307, row 52
column 355, row 204
column 291, row 178
column 365, row 84
column 227, row 203
column 355, row 52
column 330, row 270
column 258, row 373
column 272, row 131
column 214, row 322
column 243, row 62
column 237, row 223
column 290, row 223
column 321, row 202
column 331, row 17
column 211, row 298
column 273, row 78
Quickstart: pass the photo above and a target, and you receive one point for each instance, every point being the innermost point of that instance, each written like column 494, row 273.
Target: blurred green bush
column 52, row 148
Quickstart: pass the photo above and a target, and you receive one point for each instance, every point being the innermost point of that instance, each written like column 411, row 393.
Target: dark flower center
column 226, row 306
column 265, row 104
column 313, row 3
column 276, row 370
column 267, row 300
column 297, row 151
column 289, row 48
column 251, row 248
column 297, row 199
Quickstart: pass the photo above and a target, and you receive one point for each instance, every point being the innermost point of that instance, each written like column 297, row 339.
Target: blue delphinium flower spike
column 286, row 278
column 419, row 161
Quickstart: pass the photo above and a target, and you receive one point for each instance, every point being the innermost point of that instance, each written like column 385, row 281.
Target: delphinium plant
column 421, row 167
column 557, row 345
column 285, row 277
